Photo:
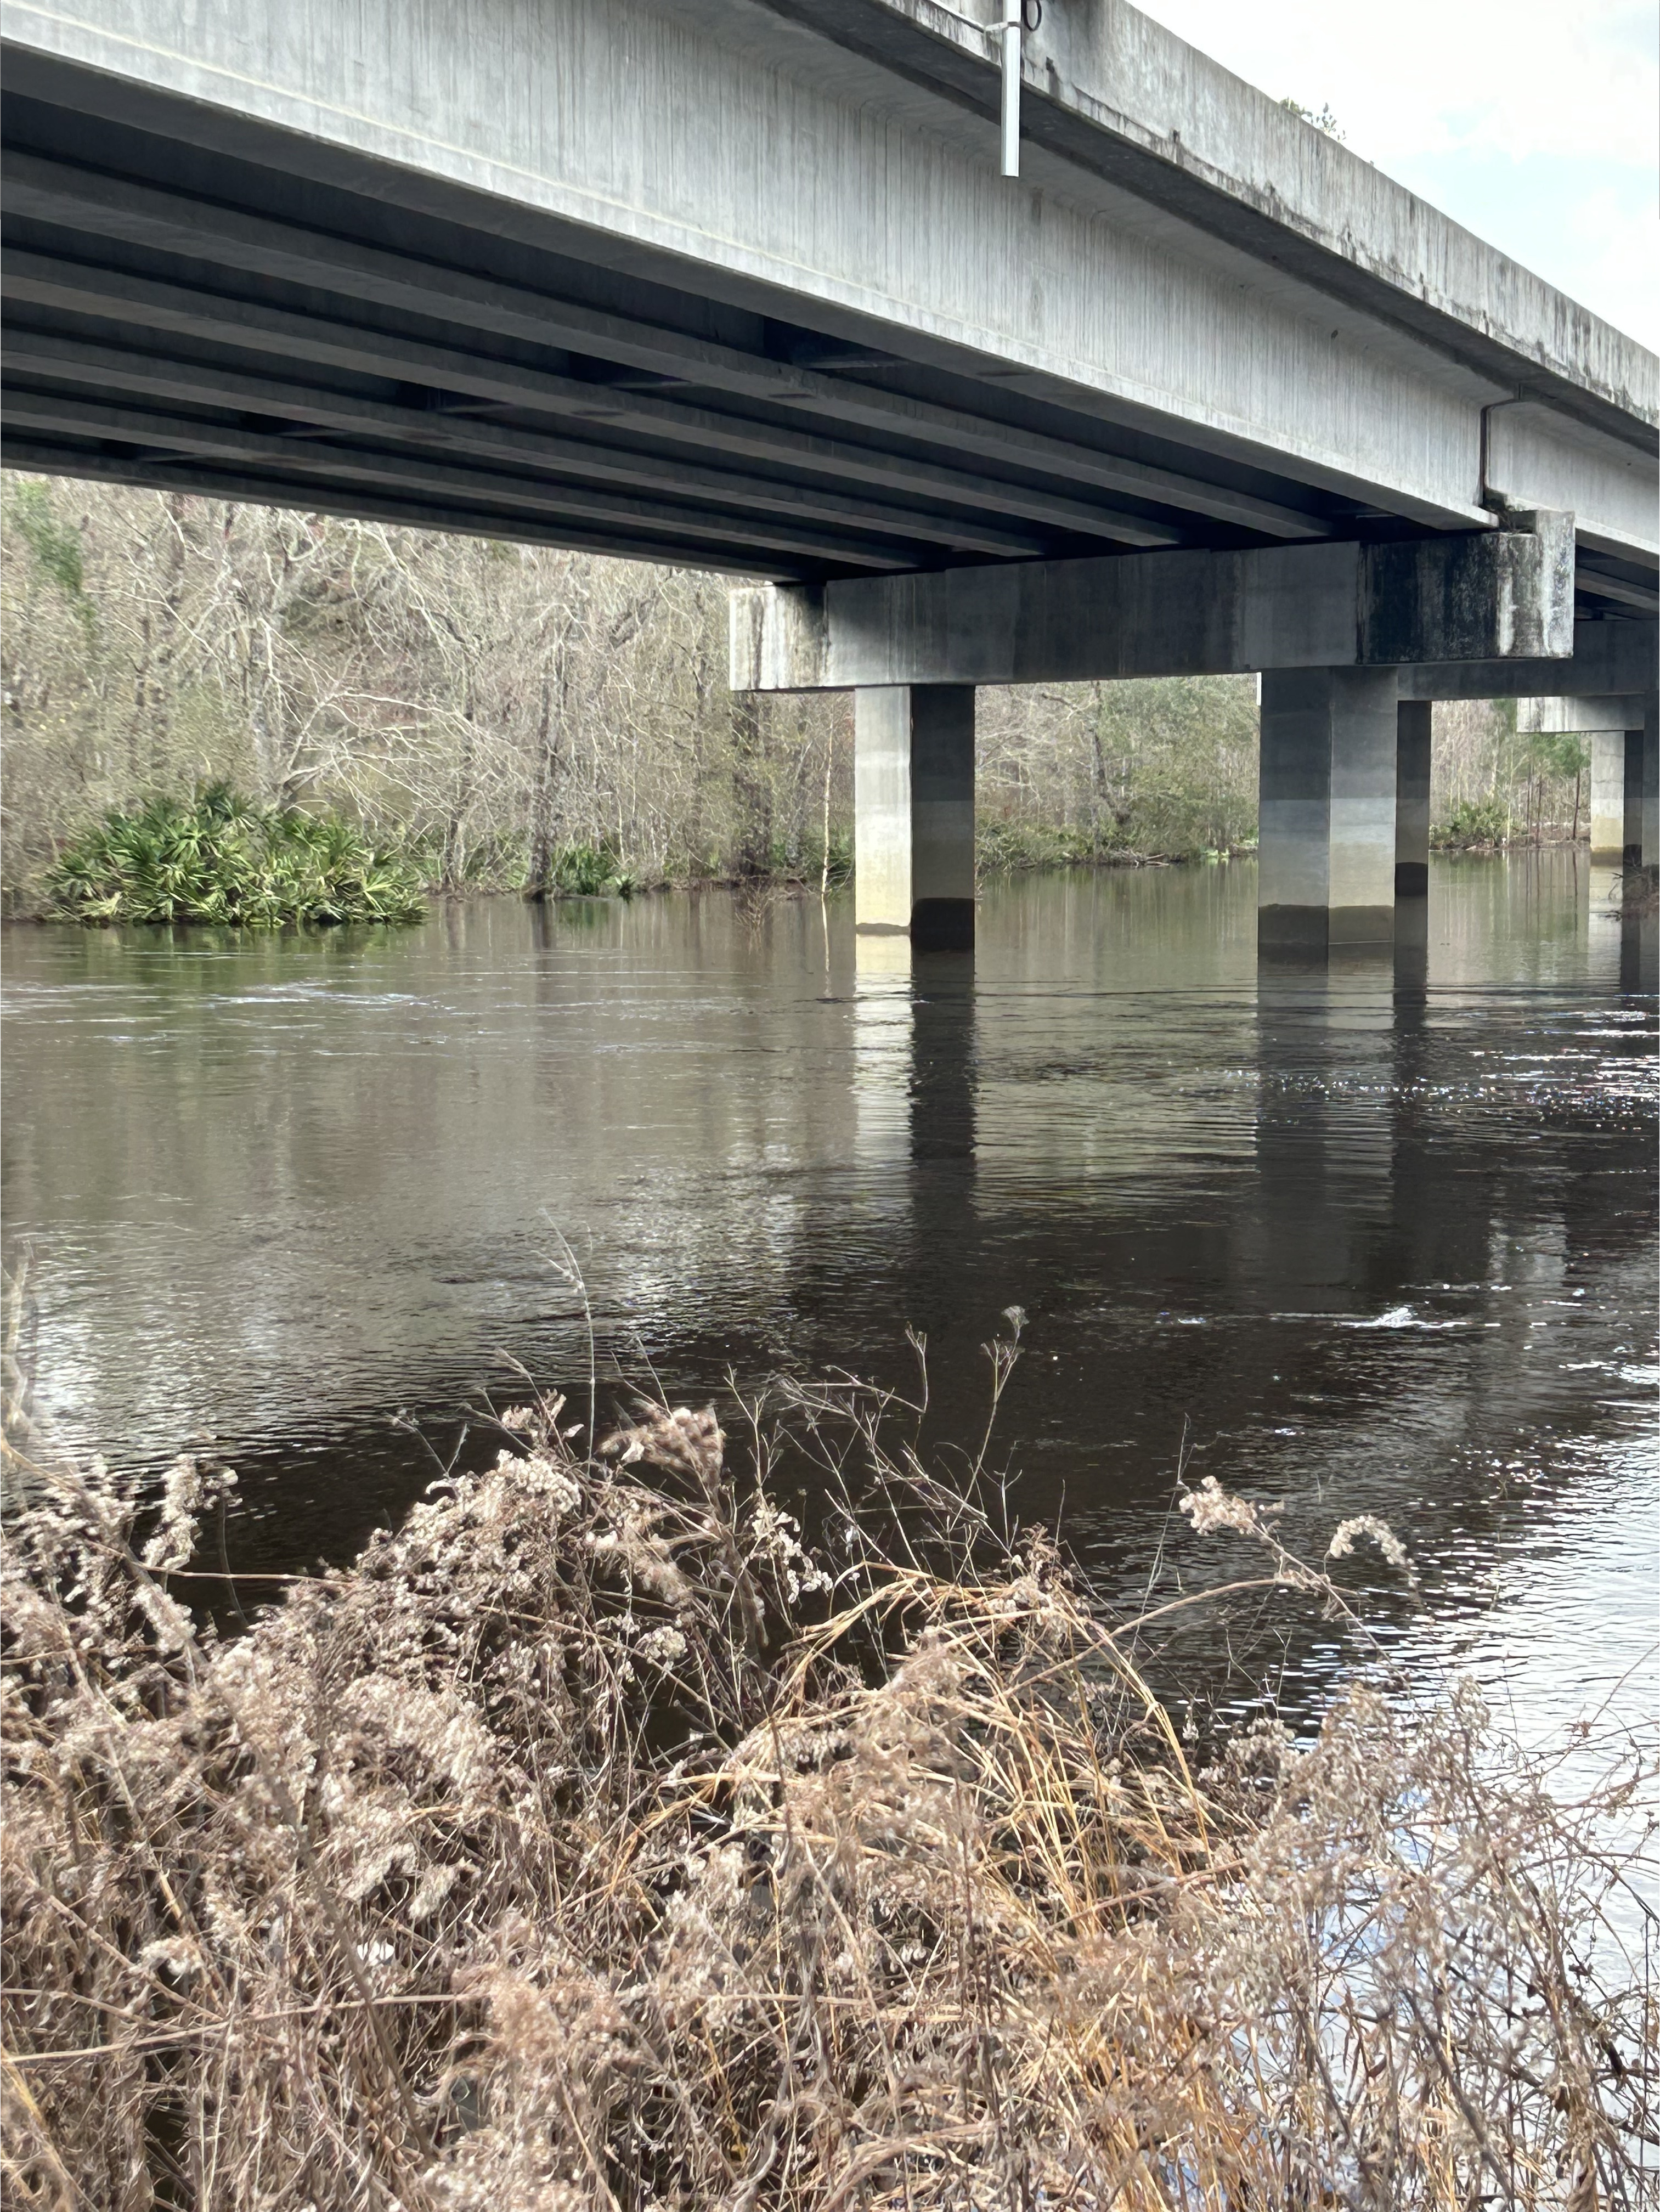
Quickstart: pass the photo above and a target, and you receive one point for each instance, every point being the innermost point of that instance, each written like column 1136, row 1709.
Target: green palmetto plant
column 219, row 858
column 1473, row 822
column 585, row 871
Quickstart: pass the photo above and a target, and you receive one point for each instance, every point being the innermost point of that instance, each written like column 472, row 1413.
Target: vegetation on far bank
column 514, row 718
column 219, row 857
column 598, row 1840
column 1553, row 803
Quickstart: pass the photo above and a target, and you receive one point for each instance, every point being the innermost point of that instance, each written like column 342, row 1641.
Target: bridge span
column 739, row 284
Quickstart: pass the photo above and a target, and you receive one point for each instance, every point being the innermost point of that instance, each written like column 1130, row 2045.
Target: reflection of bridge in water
column 745, row 284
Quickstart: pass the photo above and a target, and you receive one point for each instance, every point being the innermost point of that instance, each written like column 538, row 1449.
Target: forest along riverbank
column 1375, row 1243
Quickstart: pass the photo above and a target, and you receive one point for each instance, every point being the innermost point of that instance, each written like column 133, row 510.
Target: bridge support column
column 1607, row 797
column 1412, row 798
column 1327, row 812
column 1625, row 794
column 914, row 812
column 1642, row 787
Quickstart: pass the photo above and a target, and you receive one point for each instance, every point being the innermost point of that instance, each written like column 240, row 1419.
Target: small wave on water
column 1403, row 1318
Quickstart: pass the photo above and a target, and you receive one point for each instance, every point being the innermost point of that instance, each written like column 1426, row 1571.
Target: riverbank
column 596, row 1840
column 389, row 883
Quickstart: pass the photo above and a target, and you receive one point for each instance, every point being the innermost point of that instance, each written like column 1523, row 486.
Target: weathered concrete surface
column 1327, row 810
column 1538, row 457
column 1453, row 598
column 1440, row 599
column 766, row 242
column 1413, row 756
column 913, row 813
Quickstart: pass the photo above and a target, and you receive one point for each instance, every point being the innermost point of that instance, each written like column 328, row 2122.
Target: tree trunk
column 454, row 862
column 164, row 690
column 539, row 870
column 752, row 788
column 1099, row 800
column 552, row 726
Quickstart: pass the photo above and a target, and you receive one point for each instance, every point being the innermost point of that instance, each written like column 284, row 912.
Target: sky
column 1534, row 123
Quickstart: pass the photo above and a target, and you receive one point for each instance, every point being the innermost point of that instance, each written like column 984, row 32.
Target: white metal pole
column 1012, row 87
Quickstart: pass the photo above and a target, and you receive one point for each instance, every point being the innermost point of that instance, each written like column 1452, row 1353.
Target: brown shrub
column 593, row 1841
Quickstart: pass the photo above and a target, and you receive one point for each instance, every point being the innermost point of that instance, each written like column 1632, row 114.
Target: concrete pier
column 1625, row 795
column 914, row 812
column 1326, row 873
column 1607, row 797
column 1412, row 798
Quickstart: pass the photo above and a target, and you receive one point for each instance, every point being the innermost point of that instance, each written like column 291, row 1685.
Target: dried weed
column 593, row 1841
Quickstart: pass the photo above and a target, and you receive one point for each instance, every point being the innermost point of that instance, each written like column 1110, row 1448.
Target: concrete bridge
column 743, row 285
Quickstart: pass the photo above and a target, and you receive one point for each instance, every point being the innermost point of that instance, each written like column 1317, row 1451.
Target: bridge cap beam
column 1490, row 595
column 1579, row 717
column 1610, row 659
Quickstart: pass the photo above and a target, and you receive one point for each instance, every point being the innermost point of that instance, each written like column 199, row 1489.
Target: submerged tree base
column 593, row 1841
column 220, row 858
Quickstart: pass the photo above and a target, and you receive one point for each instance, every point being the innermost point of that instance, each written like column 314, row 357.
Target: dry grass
column 593, row 1843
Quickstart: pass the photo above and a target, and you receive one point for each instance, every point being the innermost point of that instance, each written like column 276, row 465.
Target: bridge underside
column 247, row 325
column 219, row 306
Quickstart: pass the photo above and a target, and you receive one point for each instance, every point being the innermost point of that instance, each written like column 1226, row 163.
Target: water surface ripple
column 1376, row 1238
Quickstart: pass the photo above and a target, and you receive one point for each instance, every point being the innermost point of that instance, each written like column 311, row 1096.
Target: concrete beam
column 1506, row 593
column 1576, row 717
column 402, row 505
column 160, row 312
column 1608, row 658
column 117, row 210
column 1533, row 455
column 512, row 486
column 1109, row 89
column 144, row 215
column 151, row 380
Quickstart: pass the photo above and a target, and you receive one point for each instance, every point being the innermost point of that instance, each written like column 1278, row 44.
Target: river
column 1376, row 1238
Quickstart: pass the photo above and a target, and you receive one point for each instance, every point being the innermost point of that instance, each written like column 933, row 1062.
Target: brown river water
column 1377, row 1238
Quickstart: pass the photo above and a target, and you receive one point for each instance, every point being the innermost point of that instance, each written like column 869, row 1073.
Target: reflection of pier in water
column 1317, row 1219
